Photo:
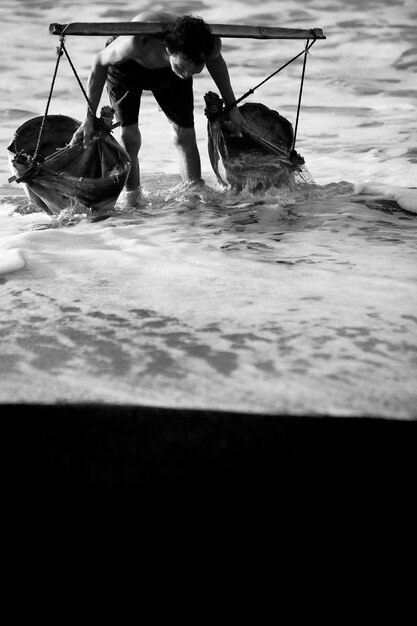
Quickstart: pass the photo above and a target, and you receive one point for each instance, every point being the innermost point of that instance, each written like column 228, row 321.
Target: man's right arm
column 121, row 49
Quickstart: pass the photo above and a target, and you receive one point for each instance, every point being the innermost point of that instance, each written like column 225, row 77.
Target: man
column 165, row 65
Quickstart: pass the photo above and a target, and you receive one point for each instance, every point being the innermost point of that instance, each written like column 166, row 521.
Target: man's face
column 182, row 66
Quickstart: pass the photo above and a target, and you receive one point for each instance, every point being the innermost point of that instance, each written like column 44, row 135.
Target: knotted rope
column 59, row 51
column 304, row 52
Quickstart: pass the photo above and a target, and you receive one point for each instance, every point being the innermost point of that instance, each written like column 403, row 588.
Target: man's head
column 189, row 43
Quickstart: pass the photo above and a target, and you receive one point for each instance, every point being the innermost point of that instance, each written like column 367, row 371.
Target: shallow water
column 299, row 302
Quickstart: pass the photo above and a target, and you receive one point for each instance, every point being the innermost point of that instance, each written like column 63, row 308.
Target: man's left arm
column 220, row 74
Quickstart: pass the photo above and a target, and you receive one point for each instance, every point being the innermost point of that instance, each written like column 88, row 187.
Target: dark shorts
column 173, row 94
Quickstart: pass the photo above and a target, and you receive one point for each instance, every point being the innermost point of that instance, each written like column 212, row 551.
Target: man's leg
column 176, row 100
column 189, row 157
column 132, row 141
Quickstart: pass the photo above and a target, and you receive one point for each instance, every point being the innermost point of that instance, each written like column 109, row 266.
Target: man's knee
column 183, row 137
column 131, row 138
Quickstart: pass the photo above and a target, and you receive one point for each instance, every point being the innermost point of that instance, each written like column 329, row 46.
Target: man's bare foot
column 130, row 199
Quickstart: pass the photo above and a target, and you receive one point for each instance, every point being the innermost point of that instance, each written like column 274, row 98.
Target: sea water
column 285, row 302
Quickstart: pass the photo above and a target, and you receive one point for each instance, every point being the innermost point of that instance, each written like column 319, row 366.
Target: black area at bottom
column 95, row 449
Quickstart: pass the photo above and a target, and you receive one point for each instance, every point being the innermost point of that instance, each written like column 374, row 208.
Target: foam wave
column 11, row 261
column 405, row 197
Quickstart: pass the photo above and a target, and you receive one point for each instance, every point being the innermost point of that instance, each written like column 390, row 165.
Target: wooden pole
column 154, row 28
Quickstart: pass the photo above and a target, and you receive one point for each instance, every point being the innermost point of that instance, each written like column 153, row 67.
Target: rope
column 59, row 51
column 306, row 49
column 251, row 91
column 59, row 54
column 79, row 81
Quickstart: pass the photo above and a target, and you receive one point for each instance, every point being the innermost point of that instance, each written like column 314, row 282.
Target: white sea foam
column 11, row 261
column 406, row 198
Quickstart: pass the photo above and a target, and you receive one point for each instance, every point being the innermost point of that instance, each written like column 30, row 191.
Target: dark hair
column 192, row 37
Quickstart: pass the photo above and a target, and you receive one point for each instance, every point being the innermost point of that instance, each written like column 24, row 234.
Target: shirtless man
column 165, row 65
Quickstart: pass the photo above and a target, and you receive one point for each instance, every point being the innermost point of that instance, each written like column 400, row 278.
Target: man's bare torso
column 147, row 50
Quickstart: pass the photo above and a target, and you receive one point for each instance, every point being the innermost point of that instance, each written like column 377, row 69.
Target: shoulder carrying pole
column 155, row 28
